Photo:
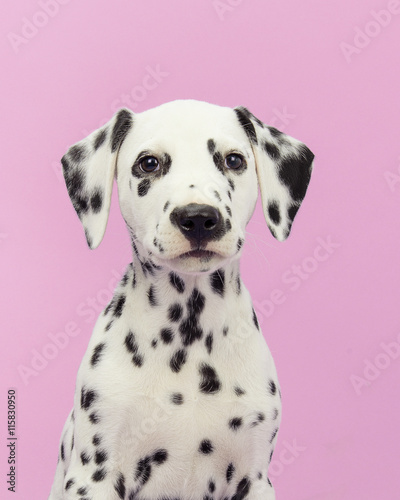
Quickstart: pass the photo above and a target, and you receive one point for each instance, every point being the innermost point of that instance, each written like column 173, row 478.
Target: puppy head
column 187, row 181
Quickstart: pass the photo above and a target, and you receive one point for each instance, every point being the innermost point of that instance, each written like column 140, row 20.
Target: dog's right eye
column 149, row 164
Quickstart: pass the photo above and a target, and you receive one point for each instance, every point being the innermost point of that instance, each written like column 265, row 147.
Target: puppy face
column 187, row 174
column 187, row 154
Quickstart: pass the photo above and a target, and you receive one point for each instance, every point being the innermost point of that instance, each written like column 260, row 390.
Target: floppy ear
column 284, row 167
column 89, row 168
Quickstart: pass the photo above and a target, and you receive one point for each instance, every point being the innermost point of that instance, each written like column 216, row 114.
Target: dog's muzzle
column 198, row 223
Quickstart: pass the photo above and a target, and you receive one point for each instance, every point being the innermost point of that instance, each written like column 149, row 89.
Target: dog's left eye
column 149, row 164
column 234, row 161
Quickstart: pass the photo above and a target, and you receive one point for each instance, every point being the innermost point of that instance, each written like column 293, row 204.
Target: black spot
column 275, row 414
column 206, row 447
column 229, row 195
column 228, row 225
column 88, row 397
column 160, row 456
column 260, row 418
column 167, row 335
column 143, row 470
column 293, row 211
column 211, row 146
column 228, row 210
column 239, row 391
column 96, row 201
column 119, row 306
column 259, row 475
column 100, row 457
column 82, row 491
column 244, row 120
column 239, row 244
column 96, row 440
column 255, row 321
column 217, row 281
column 225, row 331
column 177, row 398
column 122, row 126
column 137, row 360
column 242, row 489
column 196, row 302
column 166, row 206
column 108, row 325
column 229, row 472
column 270, row 455
column 143, row 187
column 130, row 343
column 274, row 433
column 177, row 282
column 219, row 161
column 269, row 482
column 235, row 423
column 209, row 383
column 85, row 458
column 217, row 195
column 62, row 452
column 175, row 312
column 271, row 150
column 178, row 360
column 119, row 486
column 77, row 153
column 69, row 483
column 151, row 296
column 99, row 475
column 231, row 184
column 274, row 213
column 211, row 486
column 272, row 387
column 209, row 342
column 275, row 132
column 154, row 343
column 100, row 138
column 72, row 442
column 124, row 279
column 94, row 418
column 97, row 353
column 295, row 172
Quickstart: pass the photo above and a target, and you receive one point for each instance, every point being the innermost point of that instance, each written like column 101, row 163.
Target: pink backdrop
column 328, row 298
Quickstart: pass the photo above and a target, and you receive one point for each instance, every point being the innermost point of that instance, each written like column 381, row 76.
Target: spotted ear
column 89, row 168
column 284, row 167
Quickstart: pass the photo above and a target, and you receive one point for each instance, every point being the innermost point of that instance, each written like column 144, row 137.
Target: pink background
column 285, row 61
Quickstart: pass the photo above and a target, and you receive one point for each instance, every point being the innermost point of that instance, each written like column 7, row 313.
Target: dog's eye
column 234, row 161
column 149, row 164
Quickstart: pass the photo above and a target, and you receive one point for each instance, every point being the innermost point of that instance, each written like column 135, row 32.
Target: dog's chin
column 196, row 262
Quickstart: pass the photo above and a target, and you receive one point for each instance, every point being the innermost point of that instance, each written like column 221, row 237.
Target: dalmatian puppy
column 177, row 395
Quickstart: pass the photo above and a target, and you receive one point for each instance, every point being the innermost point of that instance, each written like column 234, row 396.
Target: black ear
column 89, row 168
column 284, row 167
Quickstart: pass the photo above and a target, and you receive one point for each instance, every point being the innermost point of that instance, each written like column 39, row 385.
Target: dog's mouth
column 202, row 255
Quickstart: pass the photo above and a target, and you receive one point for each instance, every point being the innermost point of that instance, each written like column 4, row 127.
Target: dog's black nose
column 198, row 223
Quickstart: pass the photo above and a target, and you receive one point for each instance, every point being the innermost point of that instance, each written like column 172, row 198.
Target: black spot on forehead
column 206, row 447
column 100, row 138
column 177, row 398
column 211, row 146
column 121, row 128
column 235, row 423
column 82, row 491
column 143, row 187
column 96, row 200
column 244, row 120
column 271, row 150
column 231, row 184
column 273, row 212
